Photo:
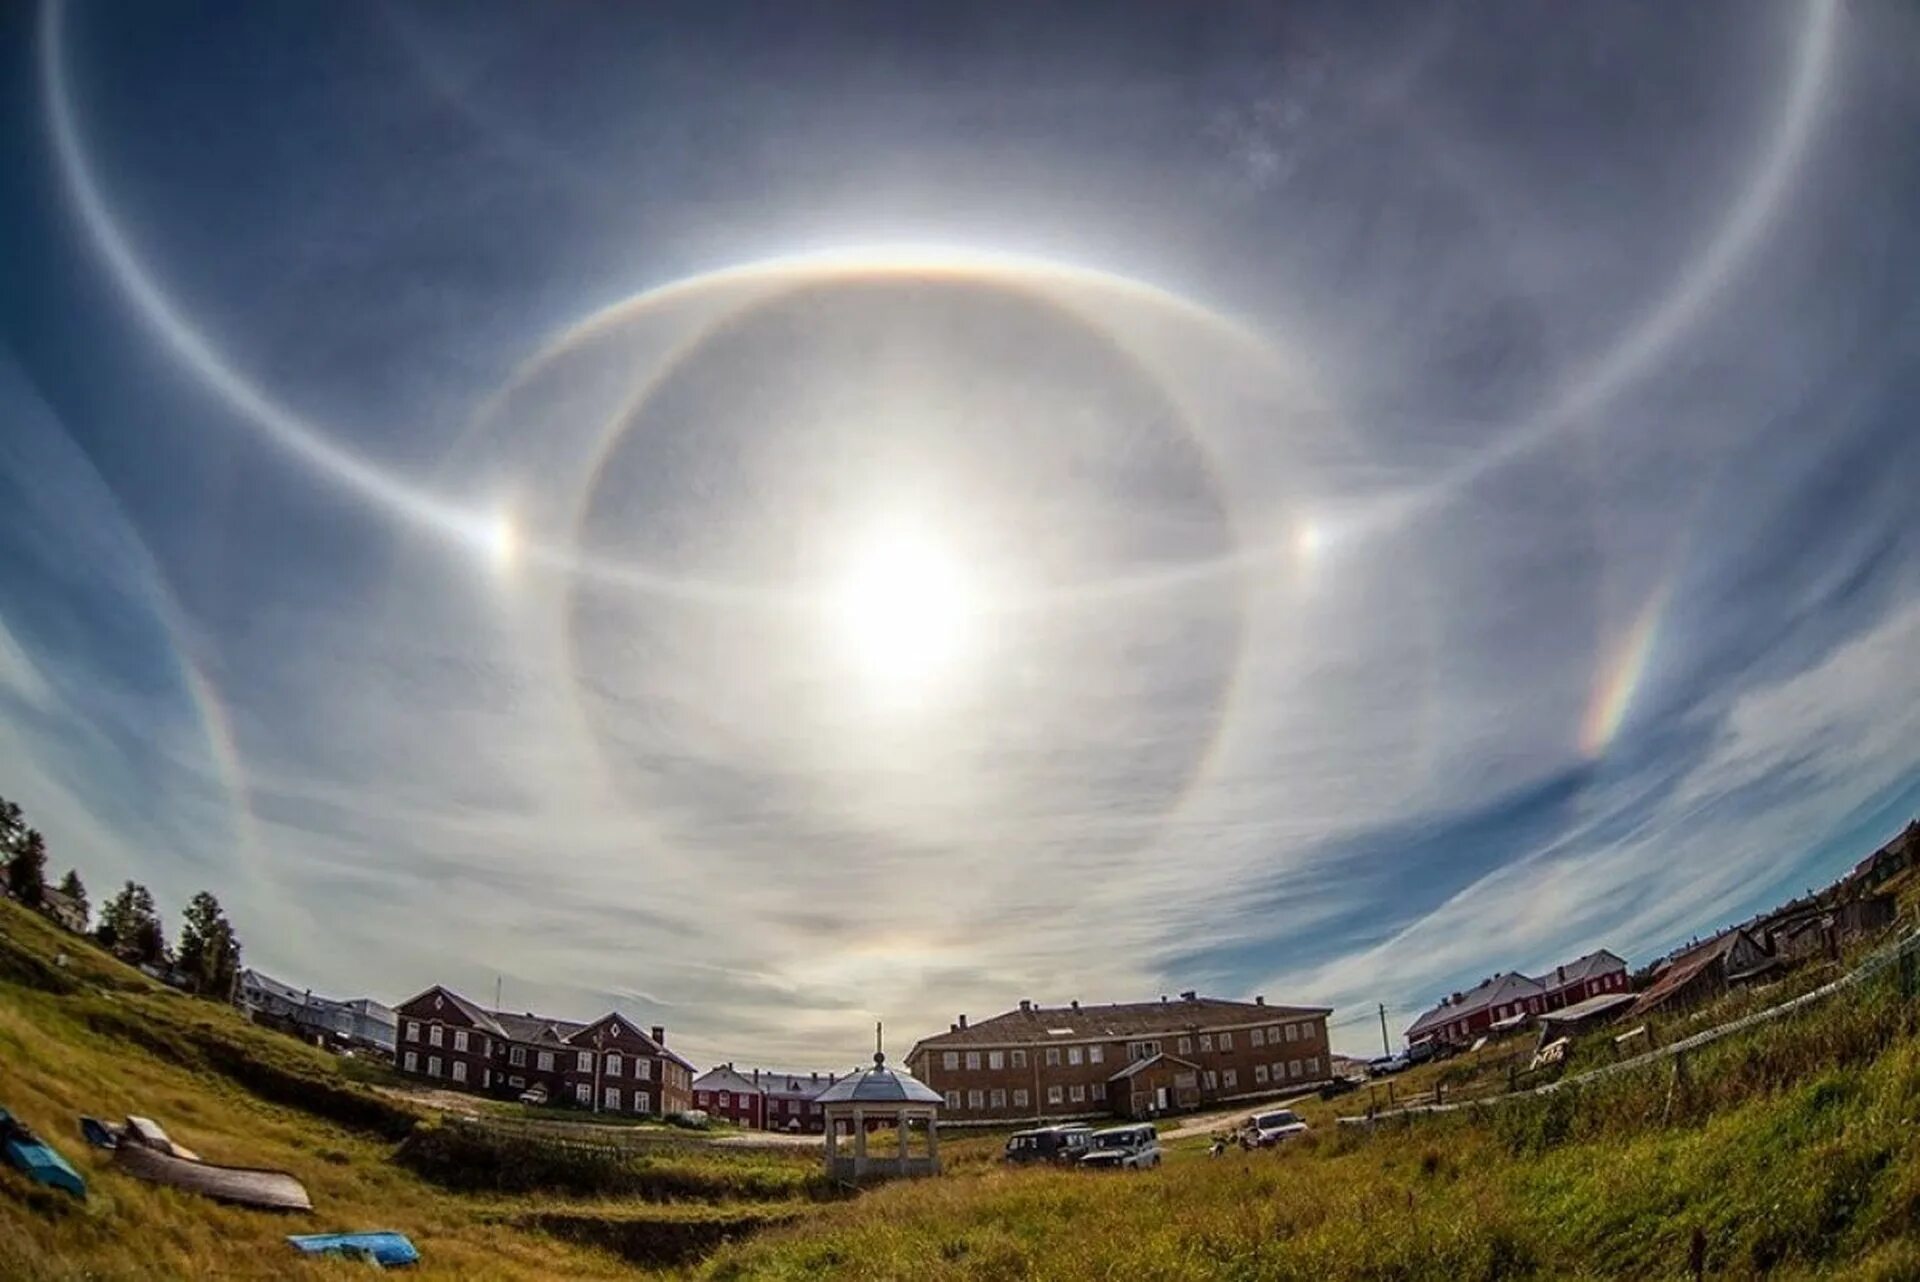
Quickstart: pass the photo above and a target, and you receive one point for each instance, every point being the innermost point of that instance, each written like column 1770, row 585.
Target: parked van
column 1133, row 1148
column 1048, row 1144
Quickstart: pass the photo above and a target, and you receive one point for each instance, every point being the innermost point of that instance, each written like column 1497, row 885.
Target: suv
column 1269, row 1129
column 1123, row 1148
column 1048, row 1144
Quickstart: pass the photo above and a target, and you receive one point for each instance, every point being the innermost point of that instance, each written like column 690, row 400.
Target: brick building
column 731, row 1096
column 609, row 1065
column 1133, row 1059
column 793, row 1100
column 1511, row 1000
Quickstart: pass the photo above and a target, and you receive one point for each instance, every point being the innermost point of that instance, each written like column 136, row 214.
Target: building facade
column 607, row 1066
column 731, row 1096
column 1511, row 1000
column 793, row 1101
column 1135, row 1059
column 360, row 1024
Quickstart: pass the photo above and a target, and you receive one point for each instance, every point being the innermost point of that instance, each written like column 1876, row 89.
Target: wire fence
column 1903, row 952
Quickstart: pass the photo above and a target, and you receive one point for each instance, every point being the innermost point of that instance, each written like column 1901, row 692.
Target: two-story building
column 609, row 1065
column 1130, row 1059
column 793, row 1100
column 1511, row 1000
column 731, row 1096
column 359, row 1024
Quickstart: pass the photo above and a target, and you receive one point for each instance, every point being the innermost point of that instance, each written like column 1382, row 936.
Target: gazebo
column 880, row 1094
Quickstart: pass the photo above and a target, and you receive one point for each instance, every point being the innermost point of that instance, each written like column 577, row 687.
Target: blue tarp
column 37, row 1158
column 386, row 1248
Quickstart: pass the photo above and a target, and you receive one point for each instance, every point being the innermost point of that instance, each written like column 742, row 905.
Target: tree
column 130, row 926
column 76, row 893
column 27, row 867
column 12, row 824
column 209, row 950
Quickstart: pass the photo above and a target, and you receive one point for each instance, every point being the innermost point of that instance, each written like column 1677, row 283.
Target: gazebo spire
column 879, row 1055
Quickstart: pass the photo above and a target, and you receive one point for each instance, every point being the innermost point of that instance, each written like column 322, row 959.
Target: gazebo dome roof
column 880, row 1085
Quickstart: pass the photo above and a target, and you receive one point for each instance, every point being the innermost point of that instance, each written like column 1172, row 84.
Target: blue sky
column 776, row 517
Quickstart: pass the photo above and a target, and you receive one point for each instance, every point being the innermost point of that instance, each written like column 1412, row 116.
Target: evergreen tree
column 12, row 825
column 209, row 950
column 27, row 867
column 76, row 892
column 130, row 926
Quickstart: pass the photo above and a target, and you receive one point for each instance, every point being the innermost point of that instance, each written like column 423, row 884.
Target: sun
column 903, row 611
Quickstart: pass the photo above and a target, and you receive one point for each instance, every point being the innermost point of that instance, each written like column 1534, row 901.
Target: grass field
column 97, row 1037
column 1788, row 1150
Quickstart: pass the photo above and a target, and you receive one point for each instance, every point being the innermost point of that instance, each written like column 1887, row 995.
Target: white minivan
column 1133, row 1148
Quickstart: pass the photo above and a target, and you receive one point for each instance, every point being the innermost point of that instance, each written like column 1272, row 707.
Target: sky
column 771, row 518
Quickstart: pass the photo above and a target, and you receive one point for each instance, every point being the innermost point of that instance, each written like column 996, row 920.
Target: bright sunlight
column 903, row 611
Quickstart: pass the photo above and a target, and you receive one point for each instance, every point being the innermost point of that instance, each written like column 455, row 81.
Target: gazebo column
column 833, row 1135
column 859, row 1141
column 905, row 1123
column 933, row 1139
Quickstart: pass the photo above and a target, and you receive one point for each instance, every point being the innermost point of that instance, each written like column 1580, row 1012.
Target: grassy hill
column 94, row 1036
column 1788, row 1150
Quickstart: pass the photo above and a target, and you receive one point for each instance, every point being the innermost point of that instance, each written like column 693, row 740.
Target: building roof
column 724, row 1077
column 1598, row 962
column 1591, row 1008
column 796, row 1085
column 1038, row 1025
column 530, row 1027
column 1142, row 1065
column 880, row 1084
column 1494, row 991
column 1688, row 966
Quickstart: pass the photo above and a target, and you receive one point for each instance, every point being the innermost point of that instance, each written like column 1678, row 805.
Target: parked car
column 534, row 1095
column 1132, row 1148
column 1387, row 1065
column 1275, row 1127
column 1340, row 1086
column 1065, row 1143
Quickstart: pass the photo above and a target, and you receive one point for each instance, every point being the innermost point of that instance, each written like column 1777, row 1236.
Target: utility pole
column 1386, row 1047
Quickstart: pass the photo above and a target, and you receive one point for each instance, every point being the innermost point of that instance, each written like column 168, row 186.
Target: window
column 1206, row 1042
column 583, row 1093
column 434, row 1034
column 1142, row 1050
column 1019, row 1099
column 1313, row 1066
column 517, row 1057
column 725, row 1099
column 546, row 1061
column 996, row 1059
column 1019, row 1059
column 950, row 1060
column 413, row 1030
column 1078, row 1094
column 516, row 1082
column 953, row 1099
column 1226, row 1041
column 976, row 1099
column 1293, row 1032
column 1053, row 1094
column 1100, row 1090
column 584, row 1063
column 998, row 1099
column 1053, row 1057
column 459, row 1039
column 1095, row 1054
column 459, row 1070
column 1073, row 1055
column 973, row 1061
column 614, row 1068
column 1273, row 1034
column 643, row 1069
column 1185, row 1045
column 412, row 1062
column 433, row 1066
column 642, row 1102
column 1259, row 1037
column 610, row 1097
column 1293, row 1068
column 1213, row 1080
column 1229, row 1078
column 1259, row 1073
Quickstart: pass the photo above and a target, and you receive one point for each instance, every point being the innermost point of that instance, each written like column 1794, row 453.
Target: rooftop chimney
column 1189, row 995
column 1163, row 997
column 953, row 1028
column 1259, row 999
column 963, row 1021
column 756, row 1077
column 1025, row 1004
column 813, row 1077
column 660, row 1034
column 1075, row 1003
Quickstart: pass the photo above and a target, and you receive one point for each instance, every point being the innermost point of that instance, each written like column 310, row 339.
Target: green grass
column 1791, row 1148
column 94, row 1036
